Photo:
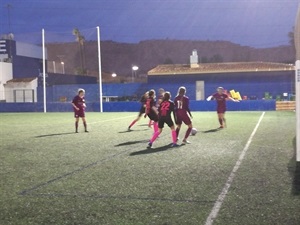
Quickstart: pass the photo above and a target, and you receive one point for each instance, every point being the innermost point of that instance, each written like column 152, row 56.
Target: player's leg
column 178, row 124
column 84, row 124
column 76, row 124
column 178, row 127
column 135, row 120
column 223, row 118
column 150, row 123
column 155, row 126
column 220, row 118
column 152, row 116
column 188, row 122
column 187, row 134
column 157, row 133
column 170, row 123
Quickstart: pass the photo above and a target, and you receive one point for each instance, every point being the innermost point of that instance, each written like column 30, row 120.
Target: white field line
column 100, row 121
column 120, row 118
column 217, row 206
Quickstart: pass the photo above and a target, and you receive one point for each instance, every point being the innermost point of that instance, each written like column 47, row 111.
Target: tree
column 80, row 39
column 292, row 38
column 216, row 58
column 168, row 61
column 204, row 59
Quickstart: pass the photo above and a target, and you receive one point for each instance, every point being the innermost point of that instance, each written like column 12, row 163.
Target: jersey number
column 165, row 106
column 179, row 104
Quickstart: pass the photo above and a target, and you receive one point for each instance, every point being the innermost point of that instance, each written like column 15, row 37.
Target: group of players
column 160, row 112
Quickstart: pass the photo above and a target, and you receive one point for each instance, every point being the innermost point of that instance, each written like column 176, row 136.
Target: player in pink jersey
column 79, row 106
column 221, row 99
column 166, row 108
column 183, row 113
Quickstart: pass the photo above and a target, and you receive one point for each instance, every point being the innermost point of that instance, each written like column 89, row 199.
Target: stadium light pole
column 100, row 70
column 297, row 82
column 63, row 67
column 54, row 67
column 44, row 71
column 133, row 72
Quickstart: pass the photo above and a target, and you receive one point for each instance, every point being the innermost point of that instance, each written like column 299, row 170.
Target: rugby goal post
column 297, row 82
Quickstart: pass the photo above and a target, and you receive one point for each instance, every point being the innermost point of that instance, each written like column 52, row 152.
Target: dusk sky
column 255, row 23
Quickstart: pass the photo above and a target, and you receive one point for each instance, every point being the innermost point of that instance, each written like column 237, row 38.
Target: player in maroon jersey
column 221, row 98
column 166, row 108
column 151, row 110
column 183, row 113
column 142, row 109
column 79, row 106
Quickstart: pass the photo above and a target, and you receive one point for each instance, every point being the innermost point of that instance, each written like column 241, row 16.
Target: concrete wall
column 21, row 91
column 247, row 83
column 5, row 75
column 259, row 105
column 29, row 50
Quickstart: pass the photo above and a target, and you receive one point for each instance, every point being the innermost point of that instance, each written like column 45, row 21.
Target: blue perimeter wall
column 247, row 83
column 249, row 105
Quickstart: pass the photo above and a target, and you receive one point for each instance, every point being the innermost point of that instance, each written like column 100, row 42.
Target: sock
column 174, row 136
column 155, row 135
column 85, row 126
column 155, row 127
column 76, row 126
column 188, row 132
column 221, row 122
column 177, row 132
column 132, row 123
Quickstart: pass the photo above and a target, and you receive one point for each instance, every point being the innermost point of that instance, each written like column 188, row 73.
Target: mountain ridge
column 119, row 57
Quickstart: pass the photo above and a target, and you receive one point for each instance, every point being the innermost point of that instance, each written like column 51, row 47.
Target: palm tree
column 80, row 39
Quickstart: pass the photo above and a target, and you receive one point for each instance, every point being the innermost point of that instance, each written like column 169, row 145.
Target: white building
column 20, row 67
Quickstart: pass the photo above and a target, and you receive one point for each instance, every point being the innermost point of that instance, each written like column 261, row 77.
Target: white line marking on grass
column 103, row 121
column 217, row 206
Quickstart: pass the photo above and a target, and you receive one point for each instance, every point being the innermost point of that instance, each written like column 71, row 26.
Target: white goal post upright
column 297, row 82
column 44, row 71
column 298, row 109
column 100, row 70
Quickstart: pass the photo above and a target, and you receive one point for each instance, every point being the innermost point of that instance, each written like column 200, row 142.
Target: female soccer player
column 151, row 110
column 142, row 109
column 183, row 113
column 221, row 98
column 160, row 97
column 79, row 106
column 166, row 108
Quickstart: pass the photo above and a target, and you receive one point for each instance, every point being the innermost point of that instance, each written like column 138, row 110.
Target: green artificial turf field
column 50, row 175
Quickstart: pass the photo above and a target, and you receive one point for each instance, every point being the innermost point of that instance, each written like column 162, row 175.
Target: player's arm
column 174, row 113
column 232, row 99
column 172, row 110
column 209, row 98
column 188, row 108
column 155, row 109
column 75, row 107
column 146, row 109
column 189, row 112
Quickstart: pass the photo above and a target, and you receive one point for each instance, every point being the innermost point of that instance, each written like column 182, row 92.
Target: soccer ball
column 194, row 131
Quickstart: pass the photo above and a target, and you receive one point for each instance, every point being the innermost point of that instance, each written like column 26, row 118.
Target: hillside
column 118, row 57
